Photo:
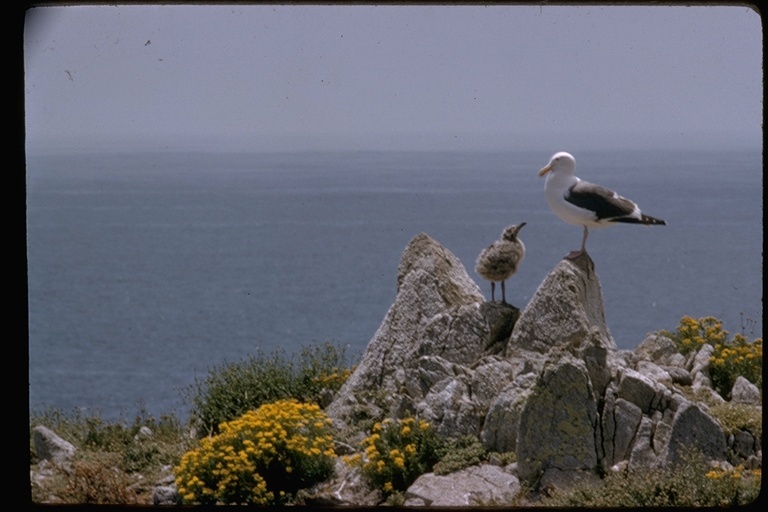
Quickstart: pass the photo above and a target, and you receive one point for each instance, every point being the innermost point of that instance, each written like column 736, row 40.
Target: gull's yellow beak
column 545, row 170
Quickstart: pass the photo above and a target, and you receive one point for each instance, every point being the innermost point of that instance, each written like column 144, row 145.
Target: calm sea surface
column 148, row 269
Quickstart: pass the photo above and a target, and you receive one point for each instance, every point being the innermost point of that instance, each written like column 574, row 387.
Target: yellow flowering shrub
column 262, row 457
column 731, row 357
column 735, row 486
column 333, row 379
column 691, row 334
column 736, row 357
column 735, row 473
column 396, row 453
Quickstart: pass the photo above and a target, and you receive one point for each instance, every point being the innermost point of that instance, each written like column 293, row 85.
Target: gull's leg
column 575, row 254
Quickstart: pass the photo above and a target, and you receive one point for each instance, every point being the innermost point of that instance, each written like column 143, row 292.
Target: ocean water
column 145, row 270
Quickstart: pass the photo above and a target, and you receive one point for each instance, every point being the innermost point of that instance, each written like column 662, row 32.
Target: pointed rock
column 438, row 271
column 565, row 309
column 433, row 291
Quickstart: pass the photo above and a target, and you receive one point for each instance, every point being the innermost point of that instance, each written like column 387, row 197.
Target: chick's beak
column 545, row 170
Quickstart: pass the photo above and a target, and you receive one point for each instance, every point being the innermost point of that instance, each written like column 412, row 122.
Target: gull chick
column 500, row 260
column 585, row 204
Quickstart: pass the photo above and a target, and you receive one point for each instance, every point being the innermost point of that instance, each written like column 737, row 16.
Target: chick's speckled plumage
column 501, row 260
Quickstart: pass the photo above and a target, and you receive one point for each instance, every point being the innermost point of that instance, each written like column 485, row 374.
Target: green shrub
column 734, row 416
column 232, row 389
column 690, row 484
column 396, row 453
column 731, row 357
column 457, row 454
column 262, row 457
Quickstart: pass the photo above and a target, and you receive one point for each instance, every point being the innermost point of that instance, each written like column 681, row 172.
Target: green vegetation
column 116, row 462
column 232, row 389
column 457, row 454
column 739, row 417
column 690, row 484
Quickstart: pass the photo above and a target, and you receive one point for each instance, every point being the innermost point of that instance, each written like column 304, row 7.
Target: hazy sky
column 393, row 77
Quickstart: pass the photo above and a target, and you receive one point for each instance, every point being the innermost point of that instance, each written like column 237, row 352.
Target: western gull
column 500, row 260
column 581, row 203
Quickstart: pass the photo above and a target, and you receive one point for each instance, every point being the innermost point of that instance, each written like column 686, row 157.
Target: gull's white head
column 560, row 162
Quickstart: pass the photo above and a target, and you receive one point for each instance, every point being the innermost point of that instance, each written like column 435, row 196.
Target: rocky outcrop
column 420, row 358
column 547, row 383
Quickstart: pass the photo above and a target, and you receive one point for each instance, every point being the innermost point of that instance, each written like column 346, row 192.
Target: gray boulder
column 51, row 447
column 638, row 389
column 743, row 445
column 491, row 374
column 166, row 495
column 700, row 366
column 557, row 424
column 502, row 423
column 744, row 392
column 620, row 422
column 476, row 485
column 691, row 428
column 660, row 350
column 450, row 408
